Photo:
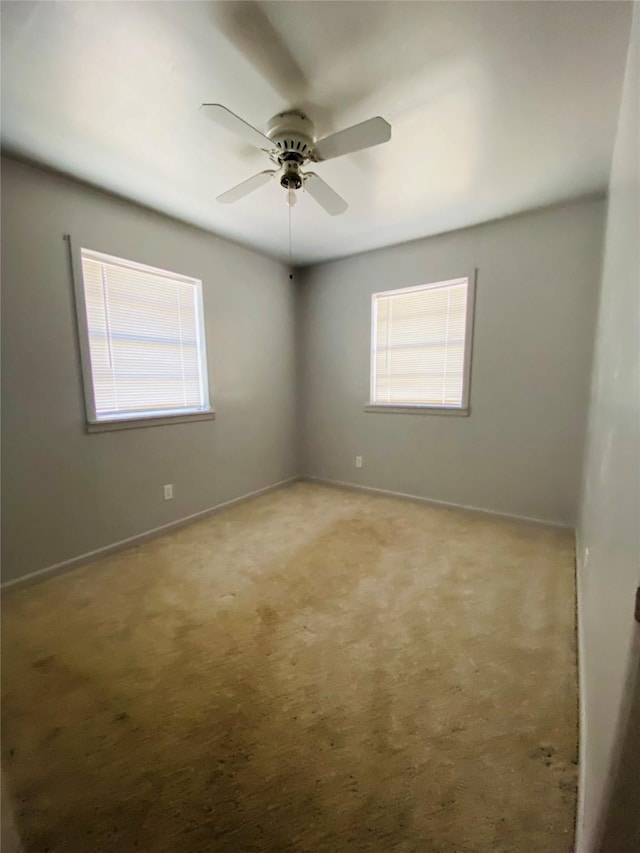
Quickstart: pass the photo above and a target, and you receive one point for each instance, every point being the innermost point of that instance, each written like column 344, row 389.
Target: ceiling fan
column 290, row 143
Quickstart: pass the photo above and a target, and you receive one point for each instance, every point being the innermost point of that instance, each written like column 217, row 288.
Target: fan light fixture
column 291, row 197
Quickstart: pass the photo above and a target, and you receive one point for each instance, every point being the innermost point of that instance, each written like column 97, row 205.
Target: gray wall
column 520, row 451
column 608, row 532
column 65, row 492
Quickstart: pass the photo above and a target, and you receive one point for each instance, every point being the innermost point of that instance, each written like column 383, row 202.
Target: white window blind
column 146, row 340
column 418, row 345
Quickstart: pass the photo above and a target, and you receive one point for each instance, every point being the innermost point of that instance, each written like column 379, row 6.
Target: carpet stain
column 314, row 670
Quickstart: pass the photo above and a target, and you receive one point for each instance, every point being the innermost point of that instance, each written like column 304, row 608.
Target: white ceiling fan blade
column 230, row 121
column 368, row 133
column 324, row 195
column 246, row 187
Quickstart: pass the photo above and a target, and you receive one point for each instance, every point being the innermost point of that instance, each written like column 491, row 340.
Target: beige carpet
column 314, row 670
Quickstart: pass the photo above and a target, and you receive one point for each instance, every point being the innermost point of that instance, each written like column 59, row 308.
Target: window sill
column 139, row 423
column 417, row 410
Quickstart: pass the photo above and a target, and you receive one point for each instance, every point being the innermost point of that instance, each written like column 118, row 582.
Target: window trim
column 464, row 409
column 137, row 420
column 160, row 420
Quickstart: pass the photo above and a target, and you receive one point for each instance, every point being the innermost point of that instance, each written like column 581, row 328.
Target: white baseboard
column 326, row 482
column 123, row 544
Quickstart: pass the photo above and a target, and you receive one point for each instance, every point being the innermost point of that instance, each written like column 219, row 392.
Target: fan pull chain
column 290, row 265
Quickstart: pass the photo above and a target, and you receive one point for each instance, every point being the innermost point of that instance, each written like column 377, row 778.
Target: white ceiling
column 496, row 107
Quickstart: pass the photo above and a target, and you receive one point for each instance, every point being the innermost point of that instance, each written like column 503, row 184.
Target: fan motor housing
column 293, row 135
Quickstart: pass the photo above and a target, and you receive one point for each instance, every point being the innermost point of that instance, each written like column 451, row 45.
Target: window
column 421, row 347
column 142, row 341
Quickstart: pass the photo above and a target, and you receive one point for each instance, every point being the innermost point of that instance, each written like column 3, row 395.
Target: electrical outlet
column 168, row 492
column 358, row 461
